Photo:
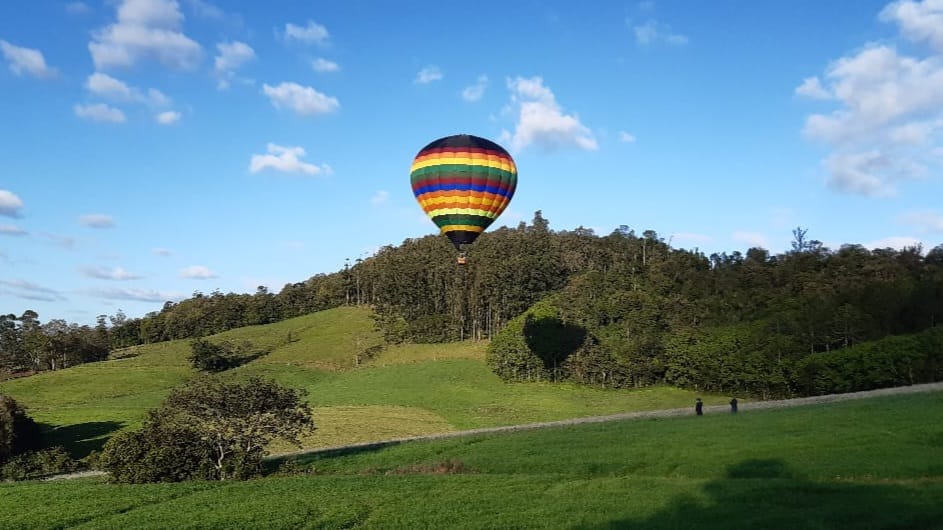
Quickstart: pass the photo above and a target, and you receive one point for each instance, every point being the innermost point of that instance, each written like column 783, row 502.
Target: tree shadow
column 552, row 340
column 79, row 439
column 767, row 494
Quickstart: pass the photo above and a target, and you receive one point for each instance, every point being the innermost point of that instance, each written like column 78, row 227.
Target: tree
column 18, row 432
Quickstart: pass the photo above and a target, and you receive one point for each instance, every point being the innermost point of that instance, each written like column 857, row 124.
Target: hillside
column 871, row 463
column 405, row 390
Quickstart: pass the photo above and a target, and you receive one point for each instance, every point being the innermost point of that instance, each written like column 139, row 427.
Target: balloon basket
column 460, row 259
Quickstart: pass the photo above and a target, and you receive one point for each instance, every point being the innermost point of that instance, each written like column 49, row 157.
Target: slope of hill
column 405, row 390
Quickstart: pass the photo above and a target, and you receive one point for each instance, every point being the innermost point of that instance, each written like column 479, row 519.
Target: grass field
column 407, row 390
column 875, row 463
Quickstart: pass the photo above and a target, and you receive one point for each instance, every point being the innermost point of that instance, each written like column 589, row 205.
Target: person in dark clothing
column 699, row 407
column 733, row 406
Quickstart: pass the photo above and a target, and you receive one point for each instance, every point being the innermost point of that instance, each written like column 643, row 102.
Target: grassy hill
column 406, row 390
column 875, row 463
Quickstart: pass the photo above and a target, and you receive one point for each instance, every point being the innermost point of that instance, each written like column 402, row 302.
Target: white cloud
column 139, row 295
column 169, row 117
column 652, row 32
column 380, row 197
column 811, row 87
column 895, row 242
column 313, row 33
column 145, row 30
column 889, row 107
column 29, row 291
column 97, row 220
column 232, row 55
column 286, row 160
column 475, row 92
column 428, row 75
column 627, row 138
column 110, row 88
column 99, row 112
column 925, row 221
column 11, row 230
column 23, row 61
column 104, row 273
column 163, row 252
column 197, row 272
column 10, row 204
column 753, row 239
column 541, row 120
column 206, row 10
column 918, row 21
column 323, row 65
column 304, row 100
column 65, row 242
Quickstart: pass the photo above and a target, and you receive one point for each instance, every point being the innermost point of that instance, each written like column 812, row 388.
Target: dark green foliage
column 35, row 464
column 18, row 432
column 164, row 449
column 207, row 356
column 208, row 429
column 892, row 361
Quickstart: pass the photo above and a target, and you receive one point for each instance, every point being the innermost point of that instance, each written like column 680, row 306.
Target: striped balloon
column 463, row 183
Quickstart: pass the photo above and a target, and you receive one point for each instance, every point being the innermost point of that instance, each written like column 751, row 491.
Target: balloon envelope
column 463, row 183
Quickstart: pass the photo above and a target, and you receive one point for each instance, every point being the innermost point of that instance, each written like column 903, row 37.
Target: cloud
column 304, row 100
column 97, row 220
column 206, row 10
column 753, row 239
column 138, row 295
column 313, row 33
column 26, row 61
column 286, row 160
column 626, row 138
column 918, row 21
column 145, row 30
column 99, row 112
column 653, row 32
column 428, row 75
column 10, row 204
column 110, row 88
column 895, row 242
column 323, row 65
column 232, row 55
column 197, row 272
column 163, row 252
column 11, row 230
column 169, row 117
column 541, row 120
column 889, row 107
column 475, row 92
column 380, row 197
column 65, row 242
column 103, row 273
column 925, row 221
column 30, row 291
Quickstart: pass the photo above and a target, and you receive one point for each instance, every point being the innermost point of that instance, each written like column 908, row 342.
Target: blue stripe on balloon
column 461, row 187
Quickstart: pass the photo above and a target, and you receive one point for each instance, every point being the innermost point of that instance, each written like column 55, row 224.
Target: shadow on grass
column 79, row 439
column 766, row 494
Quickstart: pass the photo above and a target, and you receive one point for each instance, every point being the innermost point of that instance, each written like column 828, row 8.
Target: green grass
column 407, row 390
column 875, row 463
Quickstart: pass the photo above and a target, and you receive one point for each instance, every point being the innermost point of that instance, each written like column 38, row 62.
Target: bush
column 209, row 357
column 35, row 464
column 18, row 432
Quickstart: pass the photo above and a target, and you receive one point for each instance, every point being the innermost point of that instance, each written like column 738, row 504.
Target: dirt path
column 743, row 407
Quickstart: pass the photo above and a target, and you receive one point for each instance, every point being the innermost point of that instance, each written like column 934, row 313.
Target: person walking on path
column 699, row 407
column 733, row 406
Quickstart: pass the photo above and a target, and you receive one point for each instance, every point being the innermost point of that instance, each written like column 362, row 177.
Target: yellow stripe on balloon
column 460, row 211
column 499, row 163
column 473, row 201
column 466, row 228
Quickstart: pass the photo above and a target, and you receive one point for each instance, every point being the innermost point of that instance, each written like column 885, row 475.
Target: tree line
column 648, row 312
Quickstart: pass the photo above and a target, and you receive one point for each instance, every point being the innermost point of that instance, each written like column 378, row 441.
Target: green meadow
column 874, row 463
column 405, row 390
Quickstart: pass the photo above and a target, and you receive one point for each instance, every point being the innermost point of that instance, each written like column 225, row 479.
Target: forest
column 616, row 310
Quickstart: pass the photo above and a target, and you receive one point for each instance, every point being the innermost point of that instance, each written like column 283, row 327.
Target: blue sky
column 153, row 148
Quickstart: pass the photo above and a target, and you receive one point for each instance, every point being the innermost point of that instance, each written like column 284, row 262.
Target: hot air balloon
column 463, row 183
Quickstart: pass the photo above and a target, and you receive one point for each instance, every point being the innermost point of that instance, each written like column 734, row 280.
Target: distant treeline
column 646, row 312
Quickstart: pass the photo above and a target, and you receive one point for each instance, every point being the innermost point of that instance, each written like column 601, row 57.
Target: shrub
column 18, row 432
column 35, row 464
